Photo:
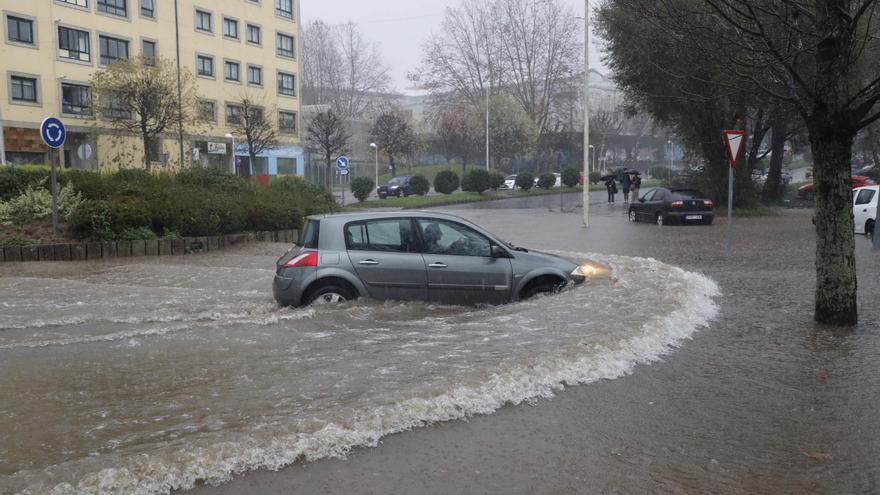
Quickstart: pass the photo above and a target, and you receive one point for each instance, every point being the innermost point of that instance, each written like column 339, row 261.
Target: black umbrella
column 607, row 177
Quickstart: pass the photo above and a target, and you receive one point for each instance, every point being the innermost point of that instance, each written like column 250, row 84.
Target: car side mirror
column 499, row 252
column 642, row 199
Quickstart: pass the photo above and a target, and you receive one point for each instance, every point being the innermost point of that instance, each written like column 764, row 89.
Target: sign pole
column 54, row 175
column 733, row 141
column 729, row 232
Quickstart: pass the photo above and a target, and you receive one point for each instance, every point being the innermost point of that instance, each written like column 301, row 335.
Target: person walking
column 625, row 182
column 611, row 186
column 635, row 186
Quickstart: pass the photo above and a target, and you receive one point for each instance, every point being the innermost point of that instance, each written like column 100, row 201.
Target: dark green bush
column 419, row 185
column 570, row 177
column 525, row 180
column 476, row 180
column 595, row 177
column 211, row 178
column 496, row 180
column 361, row 187
column 15, row 179
column 105, row 220
column 17, row 240
column 659, row 172
column 446, row 182
column 546, row 180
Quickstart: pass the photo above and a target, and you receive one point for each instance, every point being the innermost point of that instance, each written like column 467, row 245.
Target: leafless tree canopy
column 326, row 134
column 394, row 136
column 139, row 96
column 256, row 124
column 342, row 69
column 528, row 49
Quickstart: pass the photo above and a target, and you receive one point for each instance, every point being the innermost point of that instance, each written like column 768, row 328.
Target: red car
column 806, row 191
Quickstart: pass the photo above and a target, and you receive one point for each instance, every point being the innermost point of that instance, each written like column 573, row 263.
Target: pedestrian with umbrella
column 625, row 183
column 611, row 186
column 636, row 185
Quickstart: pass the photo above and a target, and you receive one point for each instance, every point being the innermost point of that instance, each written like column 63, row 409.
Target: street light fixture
column 586, row 192
column 376, row 150
column 230, row 136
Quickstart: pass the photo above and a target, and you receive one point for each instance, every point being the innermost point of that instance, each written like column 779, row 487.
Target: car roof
column 355, row 216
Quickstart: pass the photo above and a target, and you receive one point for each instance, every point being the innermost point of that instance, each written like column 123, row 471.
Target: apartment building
column 235, row 48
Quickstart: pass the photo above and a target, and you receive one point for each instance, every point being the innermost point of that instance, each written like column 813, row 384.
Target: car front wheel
column 632, row 215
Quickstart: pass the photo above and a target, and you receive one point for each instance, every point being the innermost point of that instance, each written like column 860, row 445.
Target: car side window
column 865, row 196
column 659, row 195
column 649, row 195
column 443, row 237
column 387, row 234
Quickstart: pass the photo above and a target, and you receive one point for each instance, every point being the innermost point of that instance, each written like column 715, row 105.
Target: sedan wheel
column 660, row 219
column 632, row 215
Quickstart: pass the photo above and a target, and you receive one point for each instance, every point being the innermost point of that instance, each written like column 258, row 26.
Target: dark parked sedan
column 664, row 206
column 397, row 186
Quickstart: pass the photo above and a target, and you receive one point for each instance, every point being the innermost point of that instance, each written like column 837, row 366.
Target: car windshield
column 397, row 180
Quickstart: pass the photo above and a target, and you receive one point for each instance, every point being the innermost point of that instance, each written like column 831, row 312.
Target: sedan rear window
column 688, row 193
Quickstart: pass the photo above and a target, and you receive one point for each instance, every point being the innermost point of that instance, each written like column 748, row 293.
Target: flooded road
column 152, row 374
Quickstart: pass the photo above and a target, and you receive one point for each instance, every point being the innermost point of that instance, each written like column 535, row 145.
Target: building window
column 78, row 3
column 286, row 84
column 255, row 115
column 73, row 44
column 148, row 8
column 148, row 49
column 112, row 49
column 76, row 99
column 284, row 46
column 203, row 21
column 284, row 8
column 230, row 71
column 207, row 112
column 114, row 107
column 113, row 7
column 230, row 28
column 255, row 75
column 24, row 89
column 253, row 34
column 19, row 30
column 233, row 114
column 287, row 122
column 205, row 65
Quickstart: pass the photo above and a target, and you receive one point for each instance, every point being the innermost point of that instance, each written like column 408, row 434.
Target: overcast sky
column 399, row 26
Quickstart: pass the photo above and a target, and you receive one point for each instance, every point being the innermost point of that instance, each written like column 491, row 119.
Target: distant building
column 51, row 49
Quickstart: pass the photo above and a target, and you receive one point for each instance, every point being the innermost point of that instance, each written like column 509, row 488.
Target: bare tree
column 343, row 69
column 327, row 134
column 140, row 96
column 394, row 136
column 604, row 123
column 256, row 124
column 458, row 134
column 541, row 53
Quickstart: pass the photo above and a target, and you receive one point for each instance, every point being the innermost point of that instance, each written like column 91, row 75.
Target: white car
column 510, row 182
column 865, row 208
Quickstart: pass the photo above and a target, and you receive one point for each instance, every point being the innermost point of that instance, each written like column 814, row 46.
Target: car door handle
column 865, row 210
column 369, row 262
column 437, row 265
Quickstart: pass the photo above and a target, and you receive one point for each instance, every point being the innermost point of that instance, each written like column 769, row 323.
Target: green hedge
column 197, row 202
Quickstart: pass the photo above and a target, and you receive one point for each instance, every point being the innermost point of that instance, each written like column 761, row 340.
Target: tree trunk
column 774, row 188
column 327, row 176
column 836, row 284
column 393, row 167
column 146, row 142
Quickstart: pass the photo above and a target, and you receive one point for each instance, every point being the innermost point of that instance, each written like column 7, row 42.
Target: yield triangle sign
column 734, row 141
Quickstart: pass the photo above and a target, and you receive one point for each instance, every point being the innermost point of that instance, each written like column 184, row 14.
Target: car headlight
column 590, row 270
column 395, row 187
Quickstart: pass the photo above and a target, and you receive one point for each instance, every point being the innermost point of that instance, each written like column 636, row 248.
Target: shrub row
column 197, row 202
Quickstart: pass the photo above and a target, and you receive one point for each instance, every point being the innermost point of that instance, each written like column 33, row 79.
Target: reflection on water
column 148, row 376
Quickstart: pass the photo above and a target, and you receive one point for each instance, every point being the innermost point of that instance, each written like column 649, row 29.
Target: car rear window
column 688, row 193
column 309, row 237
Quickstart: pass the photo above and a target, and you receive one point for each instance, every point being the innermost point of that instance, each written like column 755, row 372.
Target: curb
column 84, row 251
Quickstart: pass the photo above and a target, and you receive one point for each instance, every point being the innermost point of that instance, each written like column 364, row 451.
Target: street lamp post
column 232, row 165
column 376, row 150
column 586, row 113
column 671, row 163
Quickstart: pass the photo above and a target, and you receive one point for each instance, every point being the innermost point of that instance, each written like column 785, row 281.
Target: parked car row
column 415, row 256
column 510, row 181
column 806, row 191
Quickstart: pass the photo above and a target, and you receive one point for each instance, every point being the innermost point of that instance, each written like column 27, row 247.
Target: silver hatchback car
column 413, row 256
